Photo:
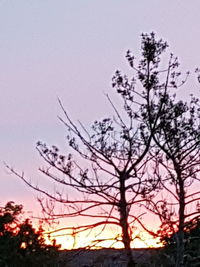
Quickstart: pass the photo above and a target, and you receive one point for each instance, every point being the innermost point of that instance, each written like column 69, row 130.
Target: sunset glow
column 143, row 240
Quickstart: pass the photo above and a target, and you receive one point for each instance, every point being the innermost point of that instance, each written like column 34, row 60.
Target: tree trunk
column 180, row 249
column 123, row 209
column 180, row 234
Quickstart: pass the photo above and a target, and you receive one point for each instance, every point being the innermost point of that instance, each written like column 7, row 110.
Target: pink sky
column 71, row 49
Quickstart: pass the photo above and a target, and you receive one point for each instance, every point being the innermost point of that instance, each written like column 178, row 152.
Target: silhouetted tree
column 109, row 166
column 177, row 167
column 20, row 243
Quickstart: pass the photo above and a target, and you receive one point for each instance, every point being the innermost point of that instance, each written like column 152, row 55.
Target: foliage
column 191, row 244
column 20, row 243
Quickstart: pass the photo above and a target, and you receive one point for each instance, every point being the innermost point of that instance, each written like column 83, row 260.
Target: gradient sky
column 70, row 49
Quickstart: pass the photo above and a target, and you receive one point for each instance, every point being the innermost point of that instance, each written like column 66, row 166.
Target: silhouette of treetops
column 20, row 243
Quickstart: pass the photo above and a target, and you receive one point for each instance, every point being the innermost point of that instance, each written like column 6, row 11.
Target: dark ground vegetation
column 21, row 245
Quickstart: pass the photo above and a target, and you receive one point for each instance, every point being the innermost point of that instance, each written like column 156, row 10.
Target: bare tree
column 105, row 171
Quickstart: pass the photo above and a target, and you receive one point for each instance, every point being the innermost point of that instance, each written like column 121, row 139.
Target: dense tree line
column 22, row 245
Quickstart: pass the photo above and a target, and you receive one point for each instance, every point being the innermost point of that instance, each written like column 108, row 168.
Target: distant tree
column 109, row 166
column 20, row 243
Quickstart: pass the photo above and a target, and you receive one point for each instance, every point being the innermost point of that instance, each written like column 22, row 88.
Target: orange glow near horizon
column 142, row 240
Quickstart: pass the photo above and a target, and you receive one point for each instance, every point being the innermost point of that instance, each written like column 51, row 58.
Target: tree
column 20, row 243
column 177, row 167
column 109, row 163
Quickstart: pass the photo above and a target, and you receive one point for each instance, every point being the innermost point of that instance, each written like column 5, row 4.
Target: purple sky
column 70, row 49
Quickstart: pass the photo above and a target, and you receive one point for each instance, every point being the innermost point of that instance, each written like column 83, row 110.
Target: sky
column 70, row 49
